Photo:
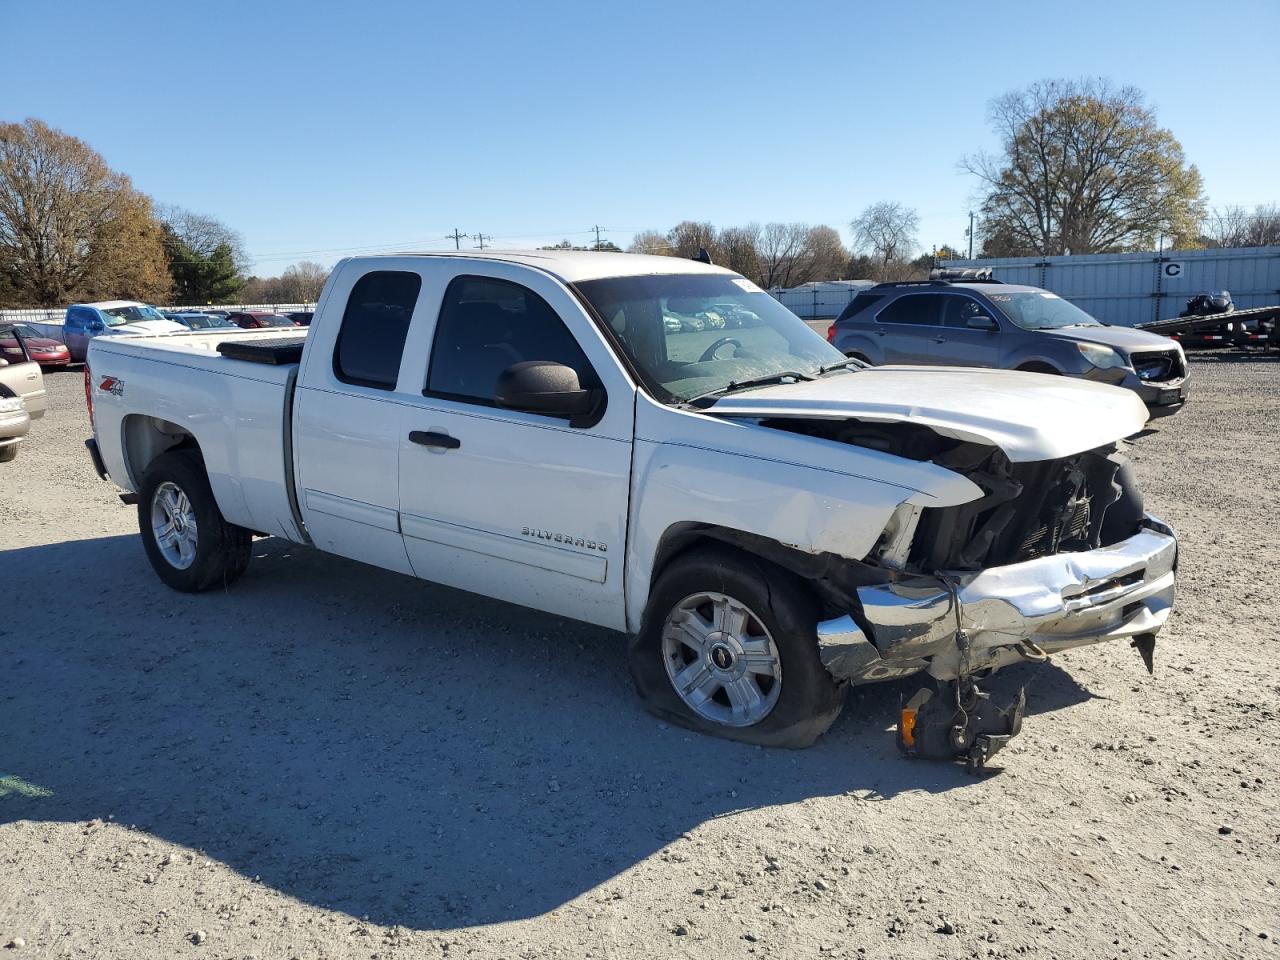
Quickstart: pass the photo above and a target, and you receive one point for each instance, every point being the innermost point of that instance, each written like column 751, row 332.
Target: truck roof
column 112, row 304
column 573, row 266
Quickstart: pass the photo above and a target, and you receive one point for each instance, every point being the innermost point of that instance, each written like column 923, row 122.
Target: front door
column 519, row 506
column 969, row 335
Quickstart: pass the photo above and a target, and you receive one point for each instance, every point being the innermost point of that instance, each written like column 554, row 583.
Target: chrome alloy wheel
column 173, row 523
column 721, row 659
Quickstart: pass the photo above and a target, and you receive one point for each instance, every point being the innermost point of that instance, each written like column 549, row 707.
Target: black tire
column 809, row 700
column 10, row 453
column 221, row 548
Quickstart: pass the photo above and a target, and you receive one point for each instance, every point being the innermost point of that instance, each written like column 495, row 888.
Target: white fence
column 1133, row 288
column 56, row 314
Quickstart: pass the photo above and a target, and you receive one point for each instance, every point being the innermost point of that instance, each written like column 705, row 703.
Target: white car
column 768, row 520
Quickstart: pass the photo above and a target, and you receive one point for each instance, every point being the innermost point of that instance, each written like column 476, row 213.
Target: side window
column 485, row 326
column 957, row 310
column 918, row 309
column 374, row 326
column 859, row 304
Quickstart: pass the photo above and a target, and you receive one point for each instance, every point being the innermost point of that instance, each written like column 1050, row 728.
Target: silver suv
column 976, row 321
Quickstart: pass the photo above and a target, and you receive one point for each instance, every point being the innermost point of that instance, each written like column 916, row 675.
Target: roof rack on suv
column 963, row 274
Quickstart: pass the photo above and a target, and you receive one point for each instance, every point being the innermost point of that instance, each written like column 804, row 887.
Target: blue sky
column 317, row 129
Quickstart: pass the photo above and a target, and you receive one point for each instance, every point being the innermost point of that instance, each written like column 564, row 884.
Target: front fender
column 814, row 495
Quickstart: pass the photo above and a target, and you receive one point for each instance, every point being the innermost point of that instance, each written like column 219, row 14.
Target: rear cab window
column 375, row 324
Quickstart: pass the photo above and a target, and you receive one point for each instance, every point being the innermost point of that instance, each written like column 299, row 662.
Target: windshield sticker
column 1000, row 297
column 747, row 285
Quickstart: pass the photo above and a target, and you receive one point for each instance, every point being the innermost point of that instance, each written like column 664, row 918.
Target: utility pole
column 481, row 238
column 456, row 237
column 970, row 234
column 597, row 229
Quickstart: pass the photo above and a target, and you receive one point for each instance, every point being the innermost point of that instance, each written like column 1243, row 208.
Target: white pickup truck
column 656, row 446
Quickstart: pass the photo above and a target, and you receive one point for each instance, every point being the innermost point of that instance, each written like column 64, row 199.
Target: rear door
column 969, row 335
column 19, row 374
column 907, row 328
column 520, row 506
column 346, row 417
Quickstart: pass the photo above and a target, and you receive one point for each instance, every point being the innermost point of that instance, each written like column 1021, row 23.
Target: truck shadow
column 376, row 745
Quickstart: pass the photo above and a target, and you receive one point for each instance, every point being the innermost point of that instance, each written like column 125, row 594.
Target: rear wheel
column 190, row 546
column 728, row 648
column 9, row 453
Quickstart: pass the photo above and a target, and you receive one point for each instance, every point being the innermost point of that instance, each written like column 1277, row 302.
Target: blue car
column 84, row 321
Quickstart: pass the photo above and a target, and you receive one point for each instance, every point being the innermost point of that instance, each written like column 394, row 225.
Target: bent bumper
column 1057, row 602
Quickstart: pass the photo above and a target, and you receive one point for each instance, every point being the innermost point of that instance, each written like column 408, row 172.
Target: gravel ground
column 333, row 761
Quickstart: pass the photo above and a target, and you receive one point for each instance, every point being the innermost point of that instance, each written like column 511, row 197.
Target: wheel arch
column 144, row 438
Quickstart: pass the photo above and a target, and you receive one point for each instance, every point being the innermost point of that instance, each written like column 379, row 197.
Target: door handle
column 939, row 339
column 879, row 333
column 430, row 438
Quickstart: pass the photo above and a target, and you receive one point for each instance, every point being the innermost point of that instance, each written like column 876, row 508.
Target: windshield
column 119, row 316
column 200, row 321
column 1041, row 310
column 690, row 334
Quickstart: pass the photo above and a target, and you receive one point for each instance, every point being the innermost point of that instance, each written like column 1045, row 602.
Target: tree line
column 72, row 229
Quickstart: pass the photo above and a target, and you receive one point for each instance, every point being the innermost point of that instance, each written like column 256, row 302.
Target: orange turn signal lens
column 907, row 727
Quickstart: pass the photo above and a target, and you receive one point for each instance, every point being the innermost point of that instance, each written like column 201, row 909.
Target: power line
column 596, row 229
column 456, row 237
column 481, row 238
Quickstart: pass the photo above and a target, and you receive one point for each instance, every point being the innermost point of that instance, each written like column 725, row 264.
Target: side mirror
column 982, row 322
column 96, row 326
column 547, row 387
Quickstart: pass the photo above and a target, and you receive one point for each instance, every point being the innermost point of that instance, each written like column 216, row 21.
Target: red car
column 259, row 320
column 50, row 354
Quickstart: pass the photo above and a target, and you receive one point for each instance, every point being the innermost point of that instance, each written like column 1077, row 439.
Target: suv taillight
column 88, row 392
column 831, row 333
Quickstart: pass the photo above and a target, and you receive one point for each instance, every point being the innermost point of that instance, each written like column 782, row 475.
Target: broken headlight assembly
column 1104, row 358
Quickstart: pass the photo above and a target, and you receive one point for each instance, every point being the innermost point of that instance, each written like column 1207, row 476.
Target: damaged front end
column 1056, row 554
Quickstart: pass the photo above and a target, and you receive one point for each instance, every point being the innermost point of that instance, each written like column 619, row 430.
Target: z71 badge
column 568, row 539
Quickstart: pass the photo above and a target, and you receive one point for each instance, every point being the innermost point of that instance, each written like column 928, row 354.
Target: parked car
column 200, row 321
column 14, row 424
column 981, row 322
column 258, row 320
column 301, row 318
column 84, row 321
column 765, row 517
column 49, row 353
column 20, row 374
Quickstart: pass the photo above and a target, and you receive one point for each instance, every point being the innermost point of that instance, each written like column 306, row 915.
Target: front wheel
column 728, row 648
column 190, row 546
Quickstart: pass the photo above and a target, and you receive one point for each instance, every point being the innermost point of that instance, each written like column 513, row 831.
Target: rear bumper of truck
column 1009, row 614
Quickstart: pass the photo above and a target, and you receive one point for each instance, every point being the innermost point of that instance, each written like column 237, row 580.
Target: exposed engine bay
column 1055, row 554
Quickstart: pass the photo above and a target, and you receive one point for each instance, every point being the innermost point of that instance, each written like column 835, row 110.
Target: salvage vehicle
column 975, row 320
column 49, row 353
column 85, row 321
column 14, row 424
column 769, row 521
column 20, row 373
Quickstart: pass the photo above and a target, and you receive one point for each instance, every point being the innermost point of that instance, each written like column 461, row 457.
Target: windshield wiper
column 841, row 365
column 761, row 381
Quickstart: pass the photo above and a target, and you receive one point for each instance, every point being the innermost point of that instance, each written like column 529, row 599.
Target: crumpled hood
column 1030, row 416
column 1125, row 339
column 147, row 326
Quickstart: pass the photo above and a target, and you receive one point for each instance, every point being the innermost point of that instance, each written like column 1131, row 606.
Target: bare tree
column 782, row 247
column 70, row 227
column 1233, row 226
column 1084, row 168
column 688, row 237
column 302, row 282
column 740, row 248
column 886, row 232
column 204, row 235
column 650, row 241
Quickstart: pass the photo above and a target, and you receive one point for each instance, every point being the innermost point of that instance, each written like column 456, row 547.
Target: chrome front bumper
column 1008, row 613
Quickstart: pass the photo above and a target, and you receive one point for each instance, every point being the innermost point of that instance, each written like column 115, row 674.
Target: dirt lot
column 333, row 761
